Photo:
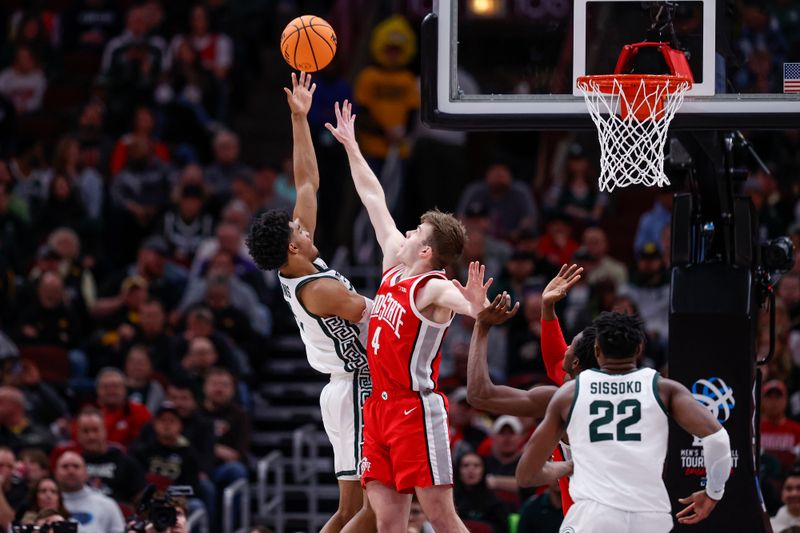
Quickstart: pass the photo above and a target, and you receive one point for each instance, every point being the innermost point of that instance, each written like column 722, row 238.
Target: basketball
column 308, row 43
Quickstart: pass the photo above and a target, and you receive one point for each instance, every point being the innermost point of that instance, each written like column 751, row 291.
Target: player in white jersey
column 616, row 421
column 331, row 315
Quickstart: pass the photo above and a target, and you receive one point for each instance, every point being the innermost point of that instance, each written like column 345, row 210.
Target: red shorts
column 406, row 440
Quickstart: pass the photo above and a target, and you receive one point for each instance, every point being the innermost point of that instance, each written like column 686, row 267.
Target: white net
column 632, row 114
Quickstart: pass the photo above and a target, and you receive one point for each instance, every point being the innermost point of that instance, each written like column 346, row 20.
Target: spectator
column 24, row 83
column 44, row 494
column 132, row 64
column 501, row 463
column 79, row 282
column 31, row 33
column 524, row 341
column 542, row 513
column 86, row 178
column 14, row 490
column 165, row 281
column 63, row 208
column 788, row 516
column 123, row 418
column 17, row 431
column 199, row 359
column 186, row 225
column 242, row 296
column 142, row 387
column 474, row 500
column 557, row 246
column 30, row 174
column 219, row 176
column 140, row 191
column 215, row 51
column 96, row 143
column 171, row 459
column 579, row 197
column 467, row 432
column 605, row 267
column 48, row 321
column 153, row 335
column 387, row 93
column 268, row 194
column 649, row 289
column 143, row 130
column 14, row 237
column 118, row 328
column 480, row 245
column 508, row 201
column 417, row 521
column 110, row 470
column 94, row 512
column 653, row 222
column 521, row 273
column 42, row 402
column 35, row 464
column 231, row 427
column 780, row 437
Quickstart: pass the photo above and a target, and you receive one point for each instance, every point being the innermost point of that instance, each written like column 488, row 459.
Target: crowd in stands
column 134, row 324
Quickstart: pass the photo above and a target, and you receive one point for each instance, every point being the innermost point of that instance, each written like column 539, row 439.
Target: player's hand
column 345, row 131
column 698, row 506
column 498, row 311
column 559, row 286
column 301, row 94
column 475, row 289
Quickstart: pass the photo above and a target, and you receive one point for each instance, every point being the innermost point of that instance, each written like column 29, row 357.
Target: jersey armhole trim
column 574, row 400
column 656, row 377
column 412, row 292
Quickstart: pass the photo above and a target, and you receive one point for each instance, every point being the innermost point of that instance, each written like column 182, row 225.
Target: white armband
column 367, row 310
column 717, row 458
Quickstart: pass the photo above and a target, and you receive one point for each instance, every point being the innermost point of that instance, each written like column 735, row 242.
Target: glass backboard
column 512, row 64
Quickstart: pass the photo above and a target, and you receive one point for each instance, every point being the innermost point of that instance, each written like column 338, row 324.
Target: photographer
column 161, row 507
column 48, row 521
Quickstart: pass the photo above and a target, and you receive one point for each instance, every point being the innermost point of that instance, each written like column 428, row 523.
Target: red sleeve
column 119, row 157
column 553, row 348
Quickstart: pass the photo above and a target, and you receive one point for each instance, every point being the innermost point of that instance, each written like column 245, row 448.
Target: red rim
column 605, row 82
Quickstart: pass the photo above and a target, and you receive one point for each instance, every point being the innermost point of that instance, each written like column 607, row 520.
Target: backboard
column 512, row 64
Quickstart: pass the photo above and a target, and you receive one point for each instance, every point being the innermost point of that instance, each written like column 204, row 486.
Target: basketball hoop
column 632, row 113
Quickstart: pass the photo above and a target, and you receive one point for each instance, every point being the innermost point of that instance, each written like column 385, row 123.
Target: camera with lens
column 159, row 511
column 63, row 526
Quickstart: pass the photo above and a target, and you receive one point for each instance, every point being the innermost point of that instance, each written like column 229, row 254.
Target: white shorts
column 586, row 516
column 342, row 401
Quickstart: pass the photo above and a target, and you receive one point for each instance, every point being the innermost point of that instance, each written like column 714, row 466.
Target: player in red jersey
column 406, row 438
column 562, row 362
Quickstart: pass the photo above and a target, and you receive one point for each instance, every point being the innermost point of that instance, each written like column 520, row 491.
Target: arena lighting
column 486, row 8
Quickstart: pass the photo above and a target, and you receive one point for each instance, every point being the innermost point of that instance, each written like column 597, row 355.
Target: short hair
column 268, row 239
column 619, row 335
column 584, row 348
column 447, row 238
column 109, row 371
column 35, row 455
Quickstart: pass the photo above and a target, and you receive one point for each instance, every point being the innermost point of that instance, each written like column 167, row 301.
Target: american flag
column 791, row 77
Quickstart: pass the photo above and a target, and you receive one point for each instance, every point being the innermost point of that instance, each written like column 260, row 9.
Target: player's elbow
column 477, row 395
column 524, row 476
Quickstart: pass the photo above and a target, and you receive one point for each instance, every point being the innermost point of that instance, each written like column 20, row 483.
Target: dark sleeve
column 205, row 447
column 238, row 437
column 131, row 478
column 189, row 470
column 497, row 515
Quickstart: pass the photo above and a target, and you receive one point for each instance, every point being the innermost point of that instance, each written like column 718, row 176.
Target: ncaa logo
column 716, row 396
column 364, row 466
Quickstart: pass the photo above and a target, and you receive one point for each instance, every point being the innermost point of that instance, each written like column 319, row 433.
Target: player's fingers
column 513, row 310
column 313, row 88
column 488, row 283
column 563, row 270
column 294, row 80
column 573, row 281
column 687, row 500
column 353, row 117
column 483, row 271
column 287, row 91
column 337, row 112
column 497, row 300
column 685, row 511
column 570, row 270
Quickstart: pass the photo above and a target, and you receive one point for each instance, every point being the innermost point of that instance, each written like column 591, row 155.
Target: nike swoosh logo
column 408, row 412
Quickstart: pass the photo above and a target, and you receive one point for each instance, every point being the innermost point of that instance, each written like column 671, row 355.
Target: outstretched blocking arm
column 367, row 185
column 481, row 392
column 553, row 344
column 464, row 300
column 545, row 438
column 697, row 420
column 304, row 159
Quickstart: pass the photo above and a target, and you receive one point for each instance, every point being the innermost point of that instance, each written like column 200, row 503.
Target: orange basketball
column 308, row 43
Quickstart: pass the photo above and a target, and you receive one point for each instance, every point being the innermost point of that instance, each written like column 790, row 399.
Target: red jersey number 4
column 376, row 340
